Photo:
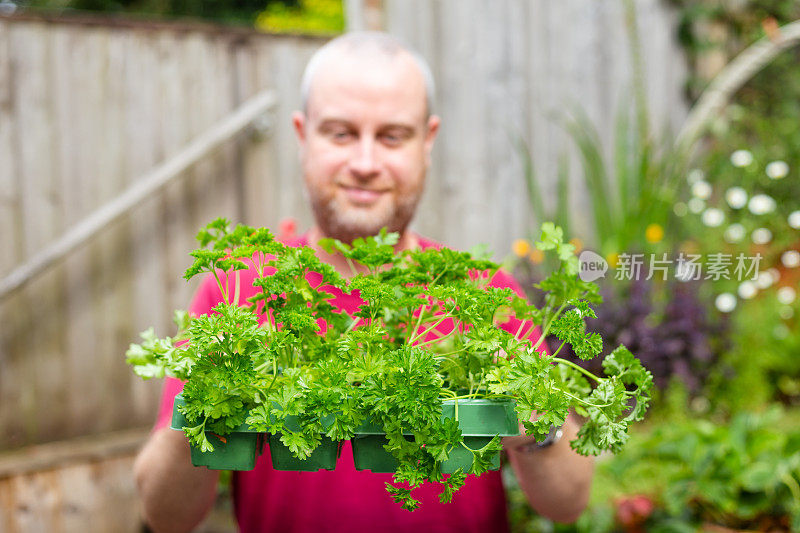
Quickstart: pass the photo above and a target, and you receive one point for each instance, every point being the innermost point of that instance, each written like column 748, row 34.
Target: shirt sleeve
column 206, row 297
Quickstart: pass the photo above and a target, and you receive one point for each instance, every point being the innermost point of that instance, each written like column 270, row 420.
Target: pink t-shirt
column 347, row 500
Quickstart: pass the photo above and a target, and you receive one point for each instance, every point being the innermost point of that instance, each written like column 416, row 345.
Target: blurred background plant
column 739, row 206
column 631, row 194
column 307, row 16
column 721, row 449
column 278, row 16
column 689, row 474
column 744, row 197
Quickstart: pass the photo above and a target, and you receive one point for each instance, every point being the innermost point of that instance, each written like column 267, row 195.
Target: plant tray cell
column 322, row 458
column 483, row 417
column 369, row 454
column 238, row 450
column 461, row 458
column 237, row 453
column 479, row 420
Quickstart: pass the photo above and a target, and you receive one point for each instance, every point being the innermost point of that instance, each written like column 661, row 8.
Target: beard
column 344, row 222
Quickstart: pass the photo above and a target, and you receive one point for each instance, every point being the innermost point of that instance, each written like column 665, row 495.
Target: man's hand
column 175, row 496
column 555, row 479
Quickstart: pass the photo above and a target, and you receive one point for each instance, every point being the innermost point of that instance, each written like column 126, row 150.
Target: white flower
column 680, row 209
column 741, row 158
column 765, row 279
column 786, row 312
column 761, row 204
column 725, row 302
column 713, row 217
column 786, row 295
column 694, row 175
column 734, row 233
column 736, row 197
column 780, row 331
column 696, row 205
column 747, row 289
column 761, row 236
column 777, row 170
column 701, row 189
column 794, row 219
column 790, row 258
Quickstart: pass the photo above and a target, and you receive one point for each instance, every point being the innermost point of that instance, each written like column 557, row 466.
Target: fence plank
column 12, row 311
column 39, row 367
column 79, row 386
column 9, row 188
column 175, row 111
column 288, row 64
column 147, row 244
column 256, row 162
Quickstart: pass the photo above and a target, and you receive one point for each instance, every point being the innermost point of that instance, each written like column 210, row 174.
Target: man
column 365, row 135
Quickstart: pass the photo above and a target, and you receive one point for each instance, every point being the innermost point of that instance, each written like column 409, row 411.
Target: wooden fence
column 86, row 107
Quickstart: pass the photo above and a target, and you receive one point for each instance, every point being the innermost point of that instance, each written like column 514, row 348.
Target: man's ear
column 299, row 122
column 430, row 135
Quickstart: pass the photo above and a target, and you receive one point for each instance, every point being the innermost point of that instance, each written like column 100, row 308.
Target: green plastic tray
column 369, row 454
column 237, row 452
column 324, row 457
column 479, row 420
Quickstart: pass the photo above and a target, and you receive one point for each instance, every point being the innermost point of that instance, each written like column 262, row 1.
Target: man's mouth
column 362, row 196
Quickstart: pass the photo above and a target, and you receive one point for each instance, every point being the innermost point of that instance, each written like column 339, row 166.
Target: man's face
column 365, row 143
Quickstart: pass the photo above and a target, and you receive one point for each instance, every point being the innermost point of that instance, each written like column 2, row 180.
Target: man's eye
column 391, row 139
column 341, row 135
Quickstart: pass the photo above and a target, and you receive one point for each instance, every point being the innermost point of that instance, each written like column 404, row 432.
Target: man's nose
column 364, row 164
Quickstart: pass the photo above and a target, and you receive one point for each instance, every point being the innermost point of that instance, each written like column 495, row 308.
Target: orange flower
column 521, row 247
column 577, row 243
column 536, row 256
column 654, row 233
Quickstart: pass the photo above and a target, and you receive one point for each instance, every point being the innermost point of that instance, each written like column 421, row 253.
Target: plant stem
column 444, row 355
column 237, row 283
column 519, row 329
column 416, row 325
column 351, row 265
column 559, row 348
column 547, row 323
column 438, row 339
column 442, row 319
column 222, row 289
column 790, row 482
column 580, row 400
column 468, row 397
column 576, row 367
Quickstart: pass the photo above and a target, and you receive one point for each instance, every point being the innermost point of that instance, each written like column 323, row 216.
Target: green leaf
column 402, row 496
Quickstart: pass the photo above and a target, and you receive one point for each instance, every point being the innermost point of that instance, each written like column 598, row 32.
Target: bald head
column 365, row 135
column 366, row 49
